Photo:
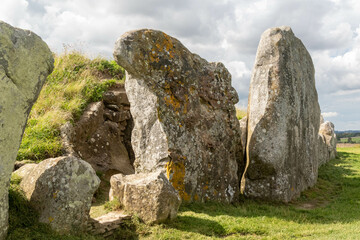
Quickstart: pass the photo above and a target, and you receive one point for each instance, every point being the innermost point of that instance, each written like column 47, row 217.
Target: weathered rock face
column 243, row 132
column 102, row 135
column 150, row 195
column 25, row 170
column 107, row 224
column 61, row 190
column 327, row 130
column 25, row 62
column 283, row 119
column 184, row 116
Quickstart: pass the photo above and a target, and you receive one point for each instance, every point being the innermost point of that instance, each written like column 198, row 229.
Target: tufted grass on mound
column 75, row 82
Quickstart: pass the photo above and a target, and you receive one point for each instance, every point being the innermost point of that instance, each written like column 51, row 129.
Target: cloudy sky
column 218, row 30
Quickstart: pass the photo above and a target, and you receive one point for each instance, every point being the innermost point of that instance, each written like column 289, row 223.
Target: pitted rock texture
column 24, row 170
column 283, row 119
column 25, row 62
column 149, row 195
column 243, row 137
column 102, row 136
column 61, row 190
column 107, row 224
column 327, row 131
column 184, row 116
column 243, row 132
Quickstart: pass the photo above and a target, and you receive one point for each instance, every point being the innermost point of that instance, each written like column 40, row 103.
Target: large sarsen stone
column 283, row 119
column 184, row 116
column 25, row 62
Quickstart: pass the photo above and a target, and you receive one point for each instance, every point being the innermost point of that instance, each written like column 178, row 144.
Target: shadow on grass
column 197, row 225
column 337, row 191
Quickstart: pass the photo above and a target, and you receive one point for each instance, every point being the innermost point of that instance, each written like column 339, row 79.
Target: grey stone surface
column 184, row 116
column 25, row 170
column 107, row 224
column 101, row 136
column 25, row 62
column 327, row 130
column 243, row 137
column 283, row 119
column 61, row 190
column 148, row 195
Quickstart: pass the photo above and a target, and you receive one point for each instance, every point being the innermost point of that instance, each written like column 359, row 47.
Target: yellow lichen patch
column 186, row 103
column 55, row 194
column 196, row 197
column 175, row 172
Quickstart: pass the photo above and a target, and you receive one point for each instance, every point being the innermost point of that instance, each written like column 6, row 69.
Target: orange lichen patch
column 170, row 99
column 186, row 103
column 175, row 172
column 196, row 197
column 55, row 194
column 166, row 45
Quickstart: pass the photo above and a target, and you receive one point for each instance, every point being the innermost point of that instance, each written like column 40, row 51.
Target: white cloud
column 329, row 114
column 227, row 31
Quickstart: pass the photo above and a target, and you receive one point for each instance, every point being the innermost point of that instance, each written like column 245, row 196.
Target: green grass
column 330, row 210
column 75, row 82
column 240, row 113
column 353, row 140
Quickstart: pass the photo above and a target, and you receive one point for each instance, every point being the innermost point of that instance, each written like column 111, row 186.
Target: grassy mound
column 75, row 82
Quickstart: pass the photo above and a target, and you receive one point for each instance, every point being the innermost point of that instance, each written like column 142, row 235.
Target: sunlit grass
column 75, row 82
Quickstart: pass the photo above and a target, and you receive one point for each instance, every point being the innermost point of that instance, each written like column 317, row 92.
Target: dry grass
column 240, row 113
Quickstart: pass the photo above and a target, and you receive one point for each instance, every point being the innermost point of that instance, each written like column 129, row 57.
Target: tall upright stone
column 25, row 62
column 184, row 116
column 283, row 119
column 328, row 136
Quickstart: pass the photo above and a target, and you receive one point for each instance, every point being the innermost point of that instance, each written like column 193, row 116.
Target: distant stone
column 184, row 116
column 327, row 129
column 148, row 195
column 25, row 62
column 25, row 170
column 61, row 190
column 243, row 132
column 283, row 119
column 99, row 135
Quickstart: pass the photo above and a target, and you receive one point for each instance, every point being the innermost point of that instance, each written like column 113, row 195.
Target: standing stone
column 25, row 62
column 327, row 130
column 184, row 116
column 243, row 132
column 61, row 190
column 283, row 119
column 149, row 195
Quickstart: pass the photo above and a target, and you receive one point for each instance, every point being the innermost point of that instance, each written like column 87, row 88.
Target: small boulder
column 61, row 190
column 25, row 170
column 149, row 195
